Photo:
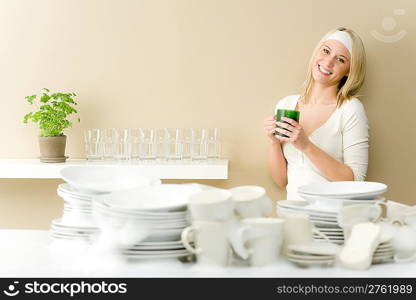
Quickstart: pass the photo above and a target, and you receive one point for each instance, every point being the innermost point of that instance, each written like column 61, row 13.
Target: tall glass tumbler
column 174, row 140
column 107, row 143
column 93, row 149
column 186, row 143
column 135, row 143
column 199, row 149
column 161, row 144
column 213, row 143
column 121, row 139
column 147, row 146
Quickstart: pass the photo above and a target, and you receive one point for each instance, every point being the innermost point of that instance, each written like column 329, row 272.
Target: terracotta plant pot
column 52, row 149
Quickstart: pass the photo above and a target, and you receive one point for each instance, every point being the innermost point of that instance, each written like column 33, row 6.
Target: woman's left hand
column 296, row 134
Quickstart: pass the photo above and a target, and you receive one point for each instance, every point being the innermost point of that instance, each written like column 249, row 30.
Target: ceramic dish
column 105, row 179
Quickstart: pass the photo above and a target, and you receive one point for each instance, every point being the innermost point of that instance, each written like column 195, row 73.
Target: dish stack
column 145, row 223
column 384, row 253
column 77, row 221
column 83, row 183
column 314, row 254
column 322, row 202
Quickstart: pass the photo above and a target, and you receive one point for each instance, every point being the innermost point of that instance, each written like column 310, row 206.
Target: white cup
column 251, row 201
column 263, row 238
column 395, row 211
column 211, row 205
column 212, row 245
column 350, row 215
column 299, row 230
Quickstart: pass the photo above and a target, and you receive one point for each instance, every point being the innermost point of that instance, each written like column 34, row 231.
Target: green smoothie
column 291, row 114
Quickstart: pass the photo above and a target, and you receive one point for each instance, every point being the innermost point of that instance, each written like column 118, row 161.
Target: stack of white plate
column 82, row 184
column 313, row 254
column 384, row 253
column 349, row 190
column 77, row 221
column 323, row 218
column 149, row 220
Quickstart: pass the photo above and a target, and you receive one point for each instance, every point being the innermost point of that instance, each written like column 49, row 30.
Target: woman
column 330, row 142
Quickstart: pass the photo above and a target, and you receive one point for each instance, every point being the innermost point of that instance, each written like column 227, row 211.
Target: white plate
column 156, row 252
column 105, row 179
column 162, row 197
column 161, row 256
column 305, row 262
column 316, row 216
column 344, row 189
column 66, row 190
column 309, row 257
column 317, row 248
column 57, row 223
column 305, row 207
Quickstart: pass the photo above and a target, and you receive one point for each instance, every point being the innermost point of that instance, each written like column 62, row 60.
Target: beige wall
column 196, row 63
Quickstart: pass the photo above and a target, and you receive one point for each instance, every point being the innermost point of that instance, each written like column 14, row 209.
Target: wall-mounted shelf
column 33, row 168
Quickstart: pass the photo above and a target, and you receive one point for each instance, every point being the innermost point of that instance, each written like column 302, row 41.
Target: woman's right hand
column 270, row 128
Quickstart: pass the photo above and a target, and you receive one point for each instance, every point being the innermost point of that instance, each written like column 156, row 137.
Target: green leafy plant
column 52, row 112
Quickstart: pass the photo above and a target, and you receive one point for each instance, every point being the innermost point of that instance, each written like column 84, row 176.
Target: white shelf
column 33, row 168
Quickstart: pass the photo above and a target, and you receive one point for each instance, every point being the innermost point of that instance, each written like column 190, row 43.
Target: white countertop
column 31, row 253
column 33, row 168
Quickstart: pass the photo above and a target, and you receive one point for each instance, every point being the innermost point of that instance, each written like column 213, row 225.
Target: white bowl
column 105, row 179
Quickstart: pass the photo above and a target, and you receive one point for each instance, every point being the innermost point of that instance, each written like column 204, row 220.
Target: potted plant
column 51, row 116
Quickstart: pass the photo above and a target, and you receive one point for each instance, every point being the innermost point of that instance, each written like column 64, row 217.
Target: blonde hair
column 348, row 86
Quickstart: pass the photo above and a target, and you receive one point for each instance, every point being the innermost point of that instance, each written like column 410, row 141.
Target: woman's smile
column 324, row 71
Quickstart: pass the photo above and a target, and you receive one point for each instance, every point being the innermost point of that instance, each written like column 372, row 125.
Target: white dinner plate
column 316, row 216
column 306, row 262
column 317, row 248
column 309, row 257
column 305, row 207
column 160, row 256
column 344, row 189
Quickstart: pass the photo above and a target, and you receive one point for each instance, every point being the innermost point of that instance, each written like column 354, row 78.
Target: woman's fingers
column 290, row 121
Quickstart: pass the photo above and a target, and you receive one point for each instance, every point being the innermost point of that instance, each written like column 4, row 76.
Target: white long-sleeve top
column 344, row 136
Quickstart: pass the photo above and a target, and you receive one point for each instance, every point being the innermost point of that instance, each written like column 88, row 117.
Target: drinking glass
column 199, row 144
column 213, row 143
column 174, row 141
column 161, row 144
column 107, row 144
column 147, row 146
column 93, row 150
column 135, row 143
column 121, row 139
column 186, row 143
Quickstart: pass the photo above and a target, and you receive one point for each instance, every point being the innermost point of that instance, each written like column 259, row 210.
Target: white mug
column 251, row 202
column 211, row 205
column 263, row 237
column 212, row 246
column 299, row 230
column 396, row 210
column 350, row 215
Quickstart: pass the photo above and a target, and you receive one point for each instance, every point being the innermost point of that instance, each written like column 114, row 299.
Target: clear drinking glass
column 214, row 143
column 135, row 143
column 107, row 144
column 121, row 139
column 161, row 144
column 174, row 141
column 186, row 143
column 93, row 149
column 199, row 144
column 147, row 145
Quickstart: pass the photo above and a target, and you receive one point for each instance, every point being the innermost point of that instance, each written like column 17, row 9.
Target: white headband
column 342, row 37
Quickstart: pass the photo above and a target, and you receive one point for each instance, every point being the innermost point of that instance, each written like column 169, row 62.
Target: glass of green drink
column 288, row 113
